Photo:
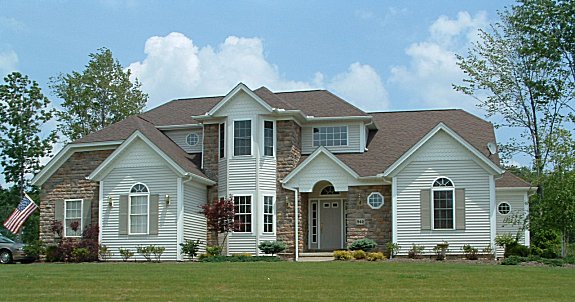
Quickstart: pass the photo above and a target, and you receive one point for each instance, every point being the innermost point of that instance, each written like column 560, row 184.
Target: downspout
column 296, row 206
column 180, row 213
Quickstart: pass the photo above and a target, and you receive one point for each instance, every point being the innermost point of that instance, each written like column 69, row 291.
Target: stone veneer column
column 288, row 153
column 211, row 155
column 378, row 222
column 69, row 182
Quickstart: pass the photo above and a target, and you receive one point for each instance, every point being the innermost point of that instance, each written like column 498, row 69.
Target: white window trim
column 130, row 195
column 510, row 208
column 233, row 137
column 434, row 189
column 273, row 215
column 197, row 137
column 382, row 200
column 346, row 141
column 81, row 216
column 252, row 225
column 274, row 138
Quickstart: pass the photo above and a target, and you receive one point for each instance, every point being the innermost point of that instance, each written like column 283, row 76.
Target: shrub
column 440, row 250
column 342, row 255
column 146, row 252
column 126, row 254
column 65, row 248
column 415, row 251
column 215, row 250
column 552, row 262
column 80, row 254
column 52, row 254
column 242, row 255
column 488, row 250
column 158, row 251
column 374, row 256
column 35, row 249
column 470, row 252
column 392, row 249
column 512, row 260
column 104, row 252
column 569, row 260
column 364, row 244
column 90, row 242
column 191, row 248
column 203, row 256
column 517, row 250
column 238, row 258
column 272, row 247
column 359, row 254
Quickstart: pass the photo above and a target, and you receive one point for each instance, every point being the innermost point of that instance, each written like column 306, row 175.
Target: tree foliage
column 220, row 215
column 24, row 110
column 100, row 95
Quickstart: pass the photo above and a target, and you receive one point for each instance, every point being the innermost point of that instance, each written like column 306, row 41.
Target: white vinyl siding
column 517, row 202
column 130, row 169
column 267, row 173
column 195, row 227
column 354, row 130
column 442, row 156
column 223, row 177
column 180, row 138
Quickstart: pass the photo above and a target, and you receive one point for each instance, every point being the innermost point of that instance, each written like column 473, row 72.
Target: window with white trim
column 243, row 214
column 268, row 138
column 375, row 200
column 330, row 136
column 504, row 208
column 73, row 218
column 268, row 214
column 442, row 203
column 192, row 139
column 243, row 137
column 139, row 209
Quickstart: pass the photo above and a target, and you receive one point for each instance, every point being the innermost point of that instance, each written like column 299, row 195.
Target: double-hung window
column 243, row 214
column 268, row 138
column 139, row 209
column 73, row 218
column 268, row 214
column 330, row 136
column 243, row 137
column 442, row 202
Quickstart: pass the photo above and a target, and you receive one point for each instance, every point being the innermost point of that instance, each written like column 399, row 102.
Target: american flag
column 19, row 216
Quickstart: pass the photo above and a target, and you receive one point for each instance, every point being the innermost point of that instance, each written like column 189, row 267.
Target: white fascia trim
column 319, row 150
column 65, row 153
column 514, row 189
column 177, row 127
column 97, row 174
column 199, row 179
column 441, row 126
column 231, row 94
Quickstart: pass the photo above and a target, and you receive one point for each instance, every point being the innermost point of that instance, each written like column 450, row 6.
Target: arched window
column 139, row 209
column 328, row 190
column 443, row 208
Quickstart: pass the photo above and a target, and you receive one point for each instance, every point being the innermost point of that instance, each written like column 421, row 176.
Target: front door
column 330, row 224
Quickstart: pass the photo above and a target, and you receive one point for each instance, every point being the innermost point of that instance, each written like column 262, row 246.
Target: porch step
column 315, row 256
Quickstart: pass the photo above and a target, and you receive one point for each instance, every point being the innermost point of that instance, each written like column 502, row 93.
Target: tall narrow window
column 139, row 209
column 73, row 219
column 242, row 137
column 268, row 138
column 268, row 214
column 243, row 216
column 222, row 140
column 314, row 222
column 443, row 205
column 330, row 136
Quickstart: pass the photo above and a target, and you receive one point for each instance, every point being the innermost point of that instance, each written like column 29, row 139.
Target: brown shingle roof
column 399, row 131
column 320, row 103
column 509, row 180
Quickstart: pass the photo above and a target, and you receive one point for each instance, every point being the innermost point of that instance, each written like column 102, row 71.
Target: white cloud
column 433, row 65
column 8, row 62
column 174, row 67
column 362, row 86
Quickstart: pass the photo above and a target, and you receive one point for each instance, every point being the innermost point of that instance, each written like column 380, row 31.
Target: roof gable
column 237, row 90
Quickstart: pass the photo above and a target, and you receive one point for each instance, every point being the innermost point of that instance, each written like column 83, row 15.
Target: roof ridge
column 417, row 110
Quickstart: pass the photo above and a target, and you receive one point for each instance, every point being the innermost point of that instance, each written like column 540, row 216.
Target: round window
column 375, row 200
column 192, row 139
column 504, row 208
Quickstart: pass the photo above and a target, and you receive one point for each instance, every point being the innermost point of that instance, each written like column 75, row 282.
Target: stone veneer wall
column 69, row 182
column 211, row 154
column 288, row 153
column 378, row 222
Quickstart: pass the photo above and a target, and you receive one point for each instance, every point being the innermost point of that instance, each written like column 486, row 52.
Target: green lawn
column 287, row 281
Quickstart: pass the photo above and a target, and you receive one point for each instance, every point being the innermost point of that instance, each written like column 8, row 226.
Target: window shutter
column 86, row 214
column 460, row 209
column 123, row 215
column 59, row 211
column 154, row 200
column 425, row 205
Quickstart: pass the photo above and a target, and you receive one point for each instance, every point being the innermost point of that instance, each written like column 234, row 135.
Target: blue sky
column 379, row 55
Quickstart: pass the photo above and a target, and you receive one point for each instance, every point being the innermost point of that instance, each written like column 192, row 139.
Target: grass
column 285, row 281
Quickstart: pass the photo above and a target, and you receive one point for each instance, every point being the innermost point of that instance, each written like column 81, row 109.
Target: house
column 304, row 167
